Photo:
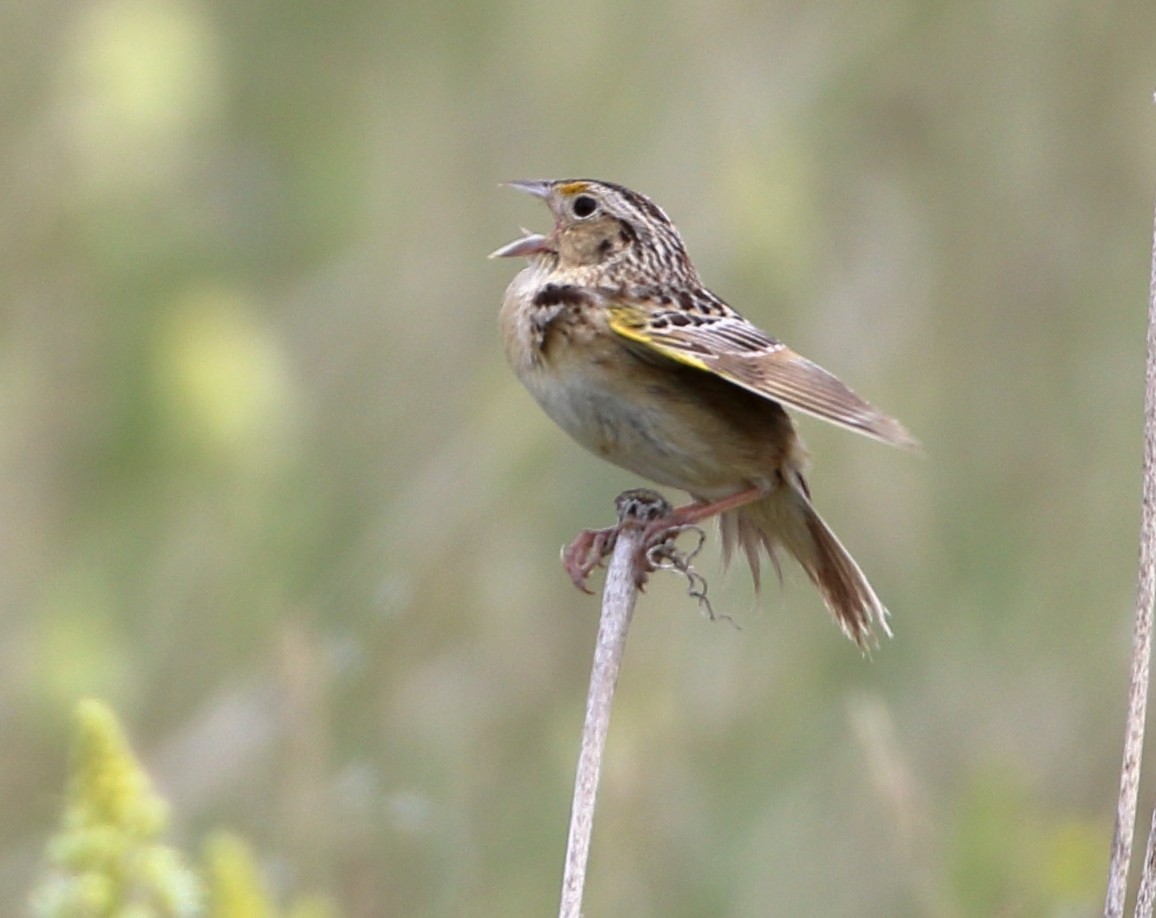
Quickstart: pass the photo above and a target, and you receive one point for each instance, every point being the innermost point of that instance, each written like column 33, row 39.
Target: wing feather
column 732, row 348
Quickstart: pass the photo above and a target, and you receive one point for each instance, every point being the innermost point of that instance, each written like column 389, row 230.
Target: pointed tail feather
column 787, row 520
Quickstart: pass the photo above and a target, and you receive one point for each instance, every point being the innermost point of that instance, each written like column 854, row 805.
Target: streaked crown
column 656, row 250
column 607, row 230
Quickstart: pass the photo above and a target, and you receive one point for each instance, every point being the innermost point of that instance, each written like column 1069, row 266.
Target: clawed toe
column 586, row 552
column 661, row 526
column 582, row 556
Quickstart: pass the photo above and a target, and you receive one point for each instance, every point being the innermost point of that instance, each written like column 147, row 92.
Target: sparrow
column 613, row 333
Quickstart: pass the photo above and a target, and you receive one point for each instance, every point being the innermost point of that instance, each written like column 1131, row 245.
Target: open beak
column 531, row 243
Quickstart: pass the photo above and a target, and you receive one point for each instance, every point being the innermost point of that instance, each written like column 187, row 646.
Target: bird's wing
column 725, row 344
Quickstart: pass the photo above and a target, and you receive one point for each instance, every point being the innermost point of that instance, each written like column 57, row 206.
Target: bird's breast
column 675, row 425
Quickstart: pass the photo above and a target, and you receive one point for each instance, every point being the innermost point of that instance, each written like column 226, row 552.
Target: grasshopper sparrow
column 612, row 331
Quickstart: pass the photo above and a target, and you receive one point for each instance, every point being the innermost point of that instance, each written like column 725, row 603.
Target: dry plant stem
column 1141, row 634
column 1147, row 894
column 618, row 598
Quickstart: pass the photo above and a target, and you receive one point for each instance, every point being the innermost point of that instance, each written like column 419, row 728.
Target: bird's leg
column 640, row 505
column 700, row 510
column 586, row 552
column 664, row 530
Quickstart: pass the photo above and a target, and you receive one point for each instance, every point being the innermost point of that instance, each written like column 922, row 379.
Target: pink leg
column 700, row 510
column 586, row 552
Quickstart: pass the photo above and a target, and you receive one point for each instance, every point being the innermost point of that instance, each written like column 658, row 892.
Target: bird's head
column 605, row 226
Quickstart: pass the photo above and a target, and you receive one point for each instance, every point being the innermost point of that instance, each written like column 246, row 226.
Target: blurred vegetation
column 107, row 859
column 266, row 484
column 237, row 889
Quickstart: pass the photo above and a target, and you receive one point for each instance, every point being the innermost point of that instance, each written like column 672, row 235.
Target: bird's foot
column 658, row 549
column 639, row 507
column 586, row 552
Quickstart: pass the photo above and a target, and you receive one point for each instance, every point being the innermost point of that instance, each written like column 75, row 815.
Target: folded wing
column 727, row 345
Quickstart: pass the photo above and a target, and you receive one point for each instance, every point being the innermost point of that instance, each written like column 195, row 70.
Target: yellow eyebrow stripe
column 574, row 187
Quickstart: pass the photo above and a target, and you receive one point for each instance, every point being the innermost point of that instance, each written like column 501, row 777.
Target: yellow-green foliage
column 237, row 890
column 107, row 858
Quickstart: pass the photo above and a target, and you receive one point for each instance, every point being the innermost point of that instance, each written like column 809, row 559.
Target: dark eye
column 584, row 206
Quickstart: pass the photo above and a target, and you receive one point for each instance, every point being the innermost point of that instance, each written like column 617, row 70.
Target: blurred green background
column 268, row 487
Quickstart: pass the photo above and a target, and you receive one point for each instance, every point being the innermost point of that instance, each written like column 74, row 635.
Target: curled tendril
column 650, row 510
column 663, row 553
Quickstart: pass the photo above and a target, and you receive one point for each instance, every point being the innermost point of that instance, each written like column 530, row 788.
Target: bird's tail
column 786, row 519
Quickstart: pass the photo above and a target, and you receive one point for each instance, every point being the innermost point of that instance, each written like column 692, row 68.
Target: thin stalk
column 619, row 595
column 1141, row 633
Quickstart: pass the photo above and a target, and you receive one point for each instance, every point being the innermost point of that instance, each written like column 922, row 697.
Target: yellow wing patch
column 749, row 358
column 633, row 324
